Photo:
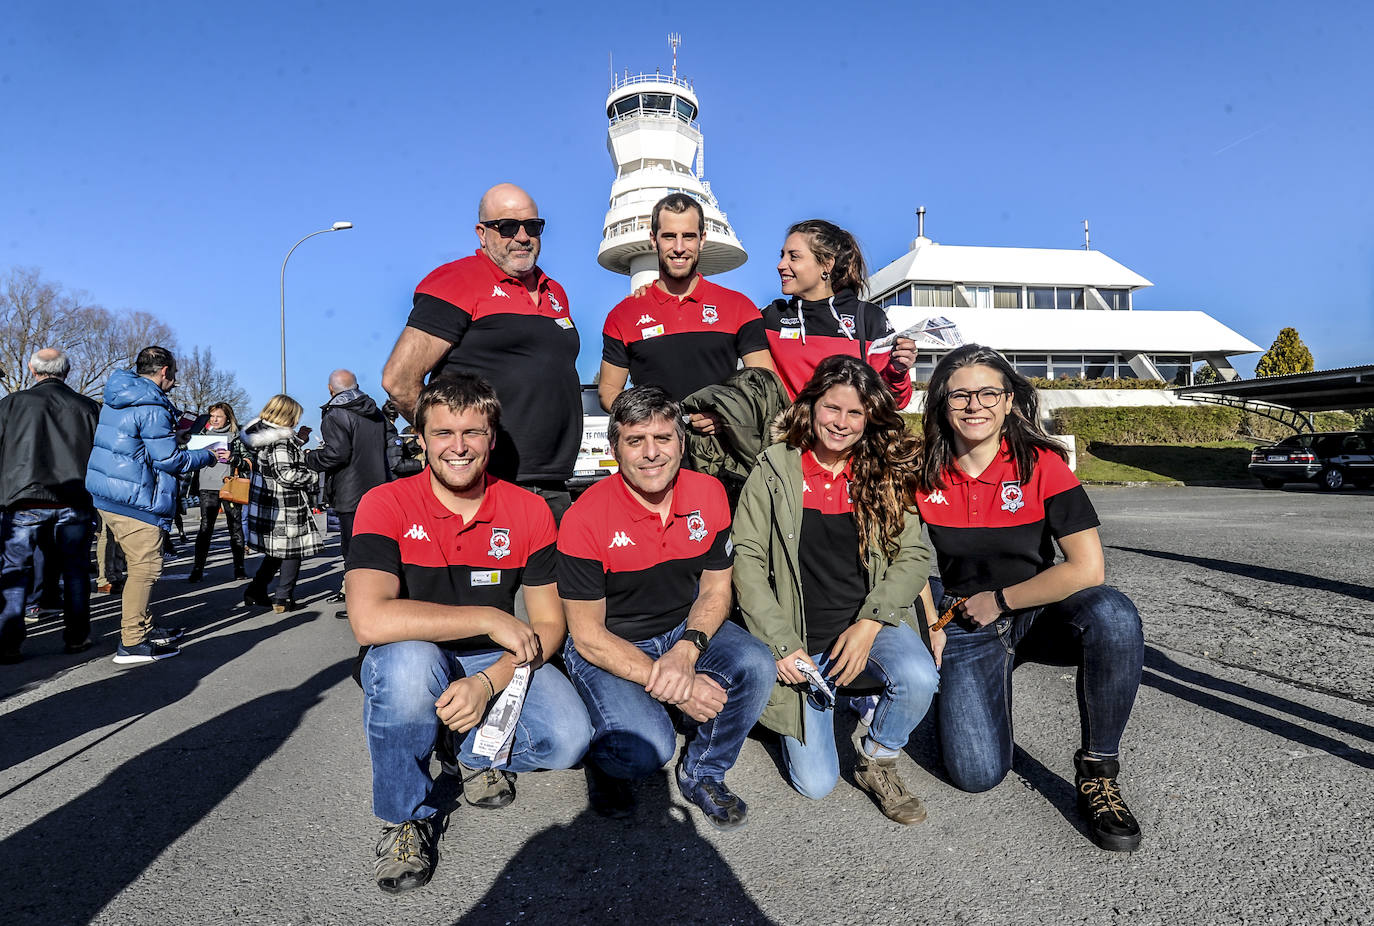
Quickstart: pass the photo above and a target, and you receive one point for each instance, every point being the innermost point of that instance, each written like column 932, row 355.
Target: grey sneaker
column 406, row 856
column 880, row 779
column 487, row 788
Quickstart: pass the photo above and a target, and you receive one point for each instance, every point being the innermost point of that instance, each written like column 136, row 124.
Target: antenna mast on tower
column 674, row 39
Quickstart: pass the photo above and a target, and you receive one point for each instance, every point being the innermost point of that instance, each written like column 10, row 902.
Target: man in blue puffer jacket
column 132, row 477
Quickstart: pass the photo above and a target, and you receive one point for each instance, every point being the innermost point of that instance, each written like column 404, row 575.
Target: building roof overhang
column 930, row 262
column 1322, row 391
column 1086, row 330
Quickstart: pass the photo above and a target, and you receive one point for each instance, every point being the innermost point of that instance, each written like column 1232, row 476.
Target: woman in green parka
column 828, row 560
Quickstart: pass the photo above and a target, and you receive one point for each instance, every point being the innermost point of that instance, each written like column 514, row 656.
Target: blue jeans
column 1097, row 630
column 900, row 661
column 64, row 534
column 634, row 734
column 401, row 681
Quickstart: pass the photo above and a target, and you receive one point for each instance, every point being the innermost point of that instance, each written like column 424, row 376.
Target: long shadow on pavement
column 83, row 854
column 592, row 870
column 51, row 721
column 1166, row 675
column 1264, row 573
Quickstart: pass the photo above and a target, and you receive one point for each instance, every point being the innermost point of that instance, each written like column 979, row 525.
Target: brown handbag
column 235, row 489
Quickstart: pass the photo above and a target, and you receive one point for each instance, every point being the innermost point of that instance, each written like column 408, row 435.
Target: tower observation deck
column 656, row 147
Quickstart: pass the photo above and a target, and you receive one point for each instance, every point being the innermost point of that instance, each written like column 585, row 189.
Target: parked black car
column 1331, row 460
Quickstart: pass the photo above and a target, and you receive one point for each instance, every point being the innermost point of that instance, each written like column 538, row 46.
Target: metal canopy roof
column 1324, row 391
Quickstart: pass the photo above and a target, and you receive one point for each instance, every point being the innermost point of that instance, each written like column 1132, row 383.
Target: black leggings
column 286, row 582
column 210, row 504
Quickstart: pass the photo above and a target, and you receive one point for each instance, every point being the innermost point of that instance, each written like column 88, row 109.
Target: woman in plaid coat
column 278, row 521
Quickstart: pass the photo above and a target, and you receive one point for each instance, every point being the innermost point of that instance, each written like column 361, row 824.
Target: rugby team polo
column 682, row 345
column 527, row 352
column 833, row 575
column 610, row 546
column 403, row 529
column 801, row 334
column 993, row 532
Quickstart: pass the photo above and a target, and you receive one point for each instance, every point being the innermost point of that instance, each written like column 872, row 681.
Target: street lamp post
column 337, row 226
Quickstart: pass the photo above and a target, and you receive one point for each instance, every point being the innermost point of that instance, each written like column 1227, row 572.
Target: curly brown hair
column 884, row 462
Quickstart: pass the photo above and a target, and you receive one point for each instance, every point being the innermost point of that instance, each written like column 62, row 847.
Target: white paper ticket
column 498, row 731
column 813, row 675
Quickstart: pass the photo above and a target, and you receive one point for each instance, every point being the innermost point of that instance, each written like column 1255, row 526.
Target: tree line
column 37, row 313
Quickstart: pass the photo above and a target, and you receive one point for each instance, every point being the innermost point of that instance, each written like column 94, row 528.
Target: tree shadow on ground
column 66, row 715
column 80, row 856
column 652, row 867
column 1189, row 465
column 1264, row 573
column 1167, row 676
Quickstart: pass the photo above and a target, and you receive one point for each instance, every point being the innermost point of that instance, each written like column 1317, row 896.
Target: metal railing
column 656, row 78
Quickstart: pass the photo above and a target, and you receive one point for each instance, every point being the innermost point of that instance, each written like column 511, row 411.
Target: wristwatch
column 697, row 638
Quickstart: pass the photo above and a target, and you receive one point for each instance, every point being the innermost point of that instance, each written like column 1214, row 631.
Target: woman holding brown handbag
column 213, row 480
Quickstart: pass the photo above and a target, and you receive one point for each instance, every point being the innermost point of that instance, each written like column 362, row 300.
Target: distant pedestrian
column 133, row 479
column 46, row 435
column 497, row 315
column 355, row 444
column 279, row 522
column 222, row 424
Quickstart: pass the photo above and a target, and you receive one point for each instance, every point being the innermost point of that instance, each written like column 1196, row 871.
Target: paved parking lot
column 231, row 784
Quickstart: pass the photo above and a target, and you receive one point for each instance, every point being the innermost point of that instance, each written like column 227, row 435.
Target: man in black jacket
column 354, row 439
column 46, row 435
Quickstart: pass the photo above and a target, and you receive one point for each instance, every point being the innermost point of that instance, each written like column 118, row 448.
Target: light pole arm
column 283, row 300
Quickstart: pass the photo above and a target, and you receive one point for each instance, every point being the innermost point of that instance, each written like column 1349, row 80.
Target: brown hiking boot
column 880, row 779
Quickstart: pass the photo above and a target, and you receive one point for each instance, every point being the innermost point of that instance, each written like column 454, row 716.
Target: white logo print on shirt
column 937, row 498
column 498, row 291
column 645, row 320
column 416, row 532
column 621, row 539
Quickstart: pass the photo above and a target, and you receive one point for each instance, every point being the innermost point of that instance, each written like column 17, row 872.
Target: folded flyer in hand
column 495, row 735
column 938, row 332
column 818, row 682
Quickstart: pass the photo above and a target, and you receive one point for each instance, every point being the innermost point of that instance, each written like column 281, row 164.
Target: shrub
column 1172, row 424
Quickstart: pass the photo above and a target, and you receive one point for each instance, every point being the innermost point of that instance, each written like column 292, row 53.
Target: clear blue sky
column 164, row 156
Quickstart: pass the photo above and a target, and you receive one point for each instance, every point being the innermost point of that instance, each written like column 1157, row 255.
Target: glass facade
column 652, row 104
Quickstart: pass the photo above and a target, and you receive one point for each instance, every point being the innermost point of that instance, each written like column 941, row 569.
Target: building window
column 1006, row 297
column 685, row 111
column 1117, row 299
column 1099, row 366
column 1066, row 366
column 1174, row 368
column 1040, row 297
column 979, row 297
column 1031, row 364
column 922, row 369
column 929, row 296
column 1068, row 298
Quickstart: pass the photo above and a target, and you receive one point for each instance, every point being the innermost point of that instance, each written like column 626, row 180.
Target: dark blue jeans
column 634, row 735
column 64, row 536
column 1096, row 630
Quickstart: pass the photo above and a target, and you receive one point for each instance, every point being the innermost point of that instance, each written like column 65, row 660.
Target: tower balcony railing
column 632, row 226
column 686, row 126
column 655, row 78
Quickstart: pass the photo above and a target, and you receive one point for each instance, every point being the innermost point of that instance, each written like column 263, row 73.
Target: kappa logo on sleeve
column 500, row 543
column 620, row 539
column 416, row 532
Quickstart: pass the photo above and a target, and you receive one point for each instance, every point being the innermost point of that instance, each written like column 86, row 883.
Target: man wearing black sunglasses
column 495, row 314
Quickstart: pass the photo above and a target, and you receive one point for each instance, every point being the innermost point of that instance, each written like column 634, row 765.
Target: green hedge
column 1041, row 383
column 1171, row 424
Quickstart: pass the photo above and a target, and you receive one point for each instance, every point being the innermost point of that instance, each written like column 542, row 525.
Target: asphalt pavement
column 232, row 785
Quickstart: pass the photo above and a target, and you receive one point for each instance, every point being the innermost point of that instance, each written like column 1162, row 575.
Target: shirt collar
column 997, row 470
column 500, row 275
column 811, row 467
column 663, row 297
column 631, row 503
column 485, row 511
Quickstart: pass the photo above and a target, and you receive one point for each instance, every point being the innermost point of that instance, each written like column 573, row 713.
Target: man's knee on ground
column 631, row 755
column 975, row 778
column 814, row 783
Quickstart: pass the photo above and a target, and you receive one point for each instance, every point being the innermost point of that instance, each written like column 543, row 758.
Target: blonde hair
column 282, row 410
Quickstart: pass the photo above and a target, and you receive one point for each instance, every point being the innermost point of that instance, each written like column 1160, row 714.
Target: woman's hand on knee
column 788, row 673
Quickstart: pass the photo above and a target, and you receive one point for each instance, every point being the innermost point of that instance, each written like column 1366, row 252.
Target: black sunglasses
column 507, row 228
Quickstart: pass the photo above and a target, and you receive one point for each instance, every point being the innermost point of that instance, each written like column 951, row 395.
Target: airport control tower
column 656, row 146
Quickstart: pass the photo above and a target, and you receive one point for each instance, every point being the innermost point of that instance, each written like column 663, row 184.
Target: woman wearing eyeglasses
column 828, row 559
column 997, row 496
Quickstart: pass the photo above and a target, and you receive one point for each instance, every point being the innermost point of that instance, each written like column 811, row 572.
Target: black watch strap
column 697, row 638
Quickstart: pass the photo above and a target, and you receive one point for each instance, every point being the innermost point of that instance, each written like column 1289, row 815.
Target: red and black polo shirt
column 993, row 531
column 801, row 334
column 527, row 352
column 682, row 345
column 402, row 528
column 833, row 575
column 612, row 547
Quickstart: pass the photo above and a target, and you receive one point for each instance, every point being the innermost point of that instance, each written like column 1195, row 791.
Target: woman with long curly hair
column 828, row 560
column 997, row 496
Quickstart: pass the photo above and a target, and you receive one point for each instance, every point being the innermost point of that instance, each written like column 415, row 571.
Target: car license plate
column 1280, row 458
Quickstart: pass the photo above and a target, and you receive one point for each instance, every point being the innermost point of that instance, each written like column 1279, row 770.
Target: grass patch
column 1211, row 461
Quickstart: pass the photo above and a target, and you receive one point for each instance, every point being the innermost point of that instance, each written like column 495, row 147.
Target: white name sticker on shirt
column 790, row 334
column 564, row 322
column 646, row 333
column 487, row 577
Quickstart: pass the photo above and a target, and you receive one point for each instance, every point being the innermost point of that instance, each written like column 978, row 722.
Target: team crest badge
column 500, row 543
column 696, row 527
column 1012, row 499
column 709, row 314
column 847, row 324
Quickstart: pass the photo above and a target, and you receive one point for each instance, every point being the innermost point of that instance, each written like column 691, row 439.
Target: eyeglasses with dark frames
column 987, row 398
column 507, row 228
